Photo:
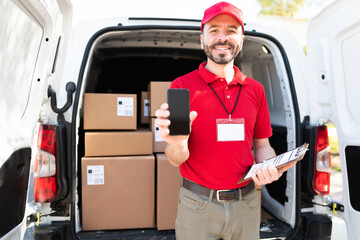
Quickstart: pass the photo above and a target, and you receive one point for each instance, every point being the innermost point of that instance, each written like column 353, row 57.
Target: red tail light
column 321, row 179
column 46, row 138
column 45, row 186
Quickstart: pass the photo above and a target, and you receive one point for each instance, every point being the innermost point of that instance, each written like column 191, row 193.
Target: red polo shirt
column 213, row 164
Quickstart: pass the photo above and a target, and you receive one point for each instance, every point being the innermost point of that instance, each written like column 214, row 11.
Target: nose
column 223, row 35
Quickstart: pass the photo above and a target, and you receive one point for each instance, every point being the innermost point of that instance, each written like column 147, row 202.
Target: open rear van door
column 32, row 35
column 333, row 49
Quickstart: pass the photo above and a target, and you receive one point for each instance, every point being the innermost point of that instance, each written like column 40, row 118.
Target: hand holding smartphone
column 179, row 108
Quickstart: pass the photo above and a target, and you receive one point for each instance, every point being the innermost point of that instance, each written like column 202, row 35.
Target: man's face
column 222, row 39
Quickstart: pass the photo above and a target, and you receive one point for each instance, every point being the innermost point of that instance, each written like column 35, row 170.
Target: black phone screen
column 179, row 108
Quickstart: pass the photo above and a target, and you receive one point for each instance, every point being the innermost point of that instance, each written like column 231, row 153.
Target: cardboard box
column 109, row 111
column 118, row 143
column 145, row 108
column 118, row 192
column 159, row 144
column 157, row 95
column 168, row 188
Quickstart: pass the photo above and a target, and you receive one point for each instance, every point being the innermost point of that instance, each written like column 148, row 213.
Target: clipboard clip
column 302, row 150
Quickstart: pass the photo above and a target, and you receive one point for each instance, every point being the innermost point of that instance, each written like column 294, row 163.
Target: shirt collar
column 209, row 77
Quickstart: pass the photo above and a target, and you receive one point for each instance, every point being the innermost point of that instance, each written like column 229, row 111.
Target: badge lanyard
column 231, row 129
column 237, row 99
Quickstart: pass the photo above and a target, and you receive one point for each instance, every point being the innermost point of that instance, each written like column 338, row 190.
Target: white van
column 48, row 63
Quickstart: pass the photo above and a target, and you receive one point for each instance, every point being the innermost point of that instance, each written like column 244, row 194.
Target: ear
column 242, row 42
column 202, row 41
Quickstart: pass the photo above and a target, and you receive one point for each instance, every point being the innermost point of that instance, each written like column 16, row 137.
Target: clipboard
column 279, row 161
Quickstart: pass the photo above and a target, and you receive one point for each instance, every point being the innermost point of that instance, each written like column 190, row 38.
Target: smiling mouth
column 219, row 46
column 222, row 48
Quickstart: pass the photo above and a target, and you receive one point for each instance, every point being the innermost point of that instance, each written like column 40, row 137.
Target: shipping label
column 95, row 175
column 125, row 106
column 146, row 107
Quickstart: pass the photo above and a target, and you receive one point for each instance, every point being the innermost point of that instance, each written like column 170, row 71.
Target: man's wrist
column 177, row 153
column 182, row 146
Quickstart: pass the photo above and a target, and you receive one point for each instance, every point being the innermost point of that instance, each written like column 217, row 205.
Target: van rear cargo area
column 270, row 228
column 126, row 62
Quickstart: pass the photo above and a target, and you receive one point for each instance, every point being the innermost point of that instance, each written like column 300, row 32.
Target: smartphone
column 179, row 108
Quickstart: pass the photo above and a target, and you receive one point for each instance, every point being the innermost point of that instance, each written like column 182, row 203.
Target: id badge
column 230, row 129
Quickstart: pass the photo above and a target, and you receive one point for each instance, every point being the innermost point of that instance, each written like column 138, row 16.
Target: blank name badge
column 230, row 129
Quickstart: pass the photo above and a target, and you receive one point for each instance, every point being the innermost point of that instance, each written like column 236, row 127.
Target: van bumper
column 317, row 226
column 55, row 231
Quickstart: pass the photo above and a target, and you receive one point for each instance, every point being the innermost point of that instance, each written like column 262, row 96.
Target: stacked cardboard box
column 158, row 95
column 157, row 92
column 118, row 192
column 145, row 108
column 159, row 144
column 109, row 111
column 118, row 170
column 168, row 187
column 118, row 143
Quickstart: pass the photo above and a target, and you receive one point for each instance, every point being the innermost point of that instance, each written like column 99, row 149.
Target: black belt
column 219, row 195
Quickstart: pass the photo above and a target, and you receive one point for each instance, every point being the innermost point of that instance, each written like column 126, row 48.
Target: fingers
column 164, row 133
column 265, row 174
column 163, row 122
column 192, row 116
column 255, row 177
column 163, row 111
column 164, row 106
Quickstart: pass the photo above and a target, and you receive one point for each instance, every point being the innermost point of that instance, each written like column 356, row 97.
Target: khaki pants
column 200, row 217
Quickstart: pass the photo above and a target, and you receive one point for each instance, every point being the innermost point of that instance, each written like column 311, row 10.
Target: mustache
column 225, row 43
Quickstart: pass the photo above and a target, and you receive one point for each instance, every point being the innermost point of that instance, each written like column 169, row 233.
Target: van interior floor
column 270, row 228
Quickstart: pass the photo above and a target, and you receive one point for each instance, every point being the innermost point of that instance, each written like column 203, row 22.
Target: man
column 229, row 117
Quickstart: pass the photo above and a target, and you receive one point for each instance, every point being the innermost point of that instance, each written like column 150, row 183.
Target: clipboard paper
column 279, row 161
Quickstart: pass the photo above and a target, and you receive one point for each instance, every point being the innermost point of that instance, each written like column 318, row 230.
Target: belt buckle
column 218, row 194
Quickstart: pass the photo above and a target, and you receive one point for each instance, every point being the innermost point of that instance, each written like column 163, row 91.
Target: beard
column 222, row 58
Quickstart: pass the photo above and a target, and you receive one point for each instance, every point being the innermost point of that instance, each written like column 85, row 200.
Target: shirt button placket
column 227, row 94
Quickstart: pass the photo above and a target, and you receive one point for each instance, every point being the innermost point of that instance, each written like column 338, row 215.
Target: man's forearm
column 177, row 154
column 264, row 152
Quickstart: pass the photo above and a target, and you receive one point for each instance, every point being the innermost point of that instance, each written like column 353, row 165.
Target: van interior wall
column 260, row 65
column 129, row 70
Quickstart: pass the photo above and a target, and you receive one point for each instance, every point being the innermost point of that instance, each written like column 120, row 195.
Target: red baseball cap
column 222, row 8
